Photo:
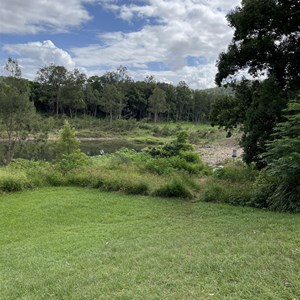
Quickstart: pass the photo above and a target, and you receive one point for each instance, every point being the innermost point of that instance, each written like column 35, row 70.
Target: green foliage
column 268, row 45
column 263, row 187
column 72, row 161
column 67, row 142
column 232, row 184
column 175, row 188
column 236, row 172
column 13, row 68
column 225, row 112
column 157, row 102
column 164, row 131
column 263, row 43
column 53, row 78
column 173, row 148
column 17, row 113
column 112, row 101
column 263, row 104
column 283, row 157
column 13, row 182
column 257, row 107
column 227, row 192
column 36, row 171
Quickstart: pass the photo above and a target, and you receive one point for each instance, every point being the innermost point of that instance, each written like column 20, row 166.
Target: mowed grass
column 73, row 243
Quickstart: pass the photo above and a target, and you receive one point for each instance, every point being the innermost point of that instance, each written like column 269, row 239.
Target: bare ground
column 217, row 152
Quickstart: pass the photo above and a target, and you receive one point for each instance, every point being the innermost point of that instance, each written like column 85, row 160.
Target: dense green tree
column 201, row 106
column 17, row 113
column 278, row 187
column 136, row 100
column 171, row 99
column 72, row 92
column 157, row 102
column 266, row 39
column 183, row 99
column 112, row 100
column 262, row 44
column 53, row 78
column 92, row 99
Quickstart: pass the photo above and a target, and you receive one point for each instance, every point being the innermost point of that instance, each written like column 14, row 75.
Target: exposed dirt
column 217, row 152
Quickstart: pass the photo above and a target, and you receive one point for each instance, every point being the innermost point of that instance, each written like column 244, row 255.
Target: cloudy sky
column 171, row 39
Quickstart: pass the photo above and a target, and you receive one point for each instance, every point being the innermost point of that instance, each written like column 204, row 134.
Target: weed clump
column 174, row 188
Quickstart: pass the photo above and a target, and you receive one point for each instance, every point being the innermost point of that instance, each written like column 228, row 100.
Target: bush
column 162, row 131
column 36, row 171
column 55, row 178
column 220, row 191
column 263, row 187
column 176, row 188
column 67, row 142
column 173, row 148
column 13, row 182
column 213, row 192
column 71, row 161
column 236, row 172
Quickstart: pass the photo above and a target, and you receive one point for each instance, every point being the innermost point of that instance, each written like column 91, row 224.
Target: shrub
column 82, row 178
column 136, row 188
column 263, row 187
column 36, row 171
column 173, row 148
column 220, row 191
column 13, row 182
column 67, row 142
column 55, row 178
column 190, row 156
column 236, row 172
column 71, row 161
column 213, row 192
column 163, row 131
column 174, row 188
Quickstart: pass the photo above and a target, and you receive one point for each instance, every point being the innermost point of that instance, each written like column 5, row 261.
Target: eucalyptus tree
column 72, row 92
column 111, row 100
column 184, row 97
column 157, row 102
column 12, row 68
column 52, row 78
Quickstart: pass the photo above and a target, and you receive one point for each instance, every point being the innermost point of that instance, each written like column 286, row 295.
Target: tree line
column 115, row 95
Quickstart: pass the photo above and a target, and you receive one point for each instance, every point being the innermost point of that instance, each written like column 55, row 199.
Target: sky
column 173, row 40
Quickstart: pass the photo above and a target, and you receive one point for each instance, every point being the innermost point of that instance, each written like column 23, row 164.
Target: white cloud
column 174, row 30
column 33, row 16
column 37, row 54
column 182, row 29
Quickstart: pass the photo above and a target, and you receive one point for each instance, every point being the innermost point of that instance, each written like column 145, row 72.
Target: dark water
column 30, row 150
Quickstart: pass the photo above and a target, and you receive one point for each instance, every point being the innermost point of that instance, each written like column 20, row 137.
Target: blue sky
column 173, row 40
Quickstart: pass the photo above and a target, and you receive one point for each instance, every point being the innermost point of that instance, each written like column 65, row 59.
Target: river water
column 30, row 150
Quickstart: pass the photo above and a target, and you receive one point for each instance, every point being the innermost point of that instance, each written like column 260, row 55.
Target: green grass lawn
column 72, row 243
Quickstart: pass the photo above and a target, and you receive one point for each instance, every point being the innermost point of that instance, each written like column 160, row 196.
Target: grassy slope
column 71, row 243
